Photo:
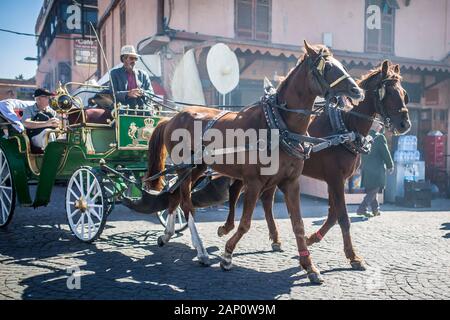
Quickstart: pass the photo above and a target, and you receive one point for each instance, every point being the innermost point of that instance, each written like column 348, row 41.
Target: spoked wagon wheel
column 180, row 221
column 7, row 192
column 86, row 205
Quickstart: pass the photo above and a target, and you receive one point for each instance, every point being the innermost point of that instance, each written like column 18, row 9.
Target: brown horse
column 316, row 74
column 384, row 96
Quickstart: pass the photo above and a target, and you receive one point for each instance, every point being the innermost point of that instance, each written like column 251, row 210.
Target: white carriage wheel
column 180, row 220
column 86, row 205
column 7, row 191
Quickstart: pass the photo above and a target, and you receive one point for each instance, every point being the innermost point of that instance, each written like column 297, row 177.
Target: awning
column 370, row 60
column 363, row 59
column 253, row 47
column 273, row 51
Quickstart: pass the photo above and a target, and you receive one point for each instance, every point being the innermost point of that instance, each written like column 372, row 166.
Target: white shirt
column 7, row 108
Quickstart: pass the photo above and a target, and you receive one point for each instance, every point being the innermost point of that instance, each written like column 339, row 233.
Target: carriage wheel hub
column 81, row 204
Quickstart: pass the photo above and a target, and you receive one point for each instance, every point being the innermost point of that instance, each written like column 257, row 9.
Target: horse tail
column 157, row 154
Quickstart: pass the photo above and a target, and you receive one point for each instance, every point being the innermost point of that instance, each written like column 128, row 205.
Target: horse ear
column 385, row 68
column 309, row 50
column 397, row 69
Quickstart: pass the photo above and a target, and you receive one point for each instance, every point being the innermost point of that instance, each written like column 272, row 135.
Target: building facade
column 267, row 37
column 67, row 50
column 17, row 89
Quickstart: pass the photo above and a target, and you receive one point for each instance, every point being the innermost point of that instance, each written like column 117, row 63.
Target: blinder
column 406, row 99
column 380, row 92
column 318, row 70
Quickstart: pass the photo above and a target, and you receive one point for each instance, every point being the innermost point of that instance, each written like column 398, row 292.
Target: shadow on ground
column 111, row 270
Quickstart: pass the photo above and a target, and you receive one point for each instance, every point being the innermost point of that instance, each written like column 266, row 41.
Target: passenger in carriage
column 39, row 119
column 9, row 112
column 130, row 83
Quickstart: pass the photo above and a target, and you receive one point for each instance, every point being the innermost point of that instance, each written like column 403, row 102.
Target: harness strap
column 212, row 122
column 298, row 111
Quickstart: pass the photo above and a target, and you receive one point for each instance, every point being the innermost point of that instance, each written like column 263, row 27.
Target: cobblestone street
column 407, row 253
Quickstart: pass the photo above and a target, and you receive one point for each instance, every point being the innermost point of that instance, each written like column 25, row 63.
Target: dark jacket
column 374, row 164
column 119, row 79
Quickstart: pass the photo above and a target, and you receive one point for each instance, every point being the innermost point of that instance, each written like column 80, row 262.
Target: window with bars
column 123, row 23
column 381, row 38
column 253, row 19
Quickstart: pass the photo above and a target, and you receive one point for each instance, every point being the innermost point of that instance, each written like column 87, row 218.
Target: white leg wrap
column 196, row 241
column 170, row 228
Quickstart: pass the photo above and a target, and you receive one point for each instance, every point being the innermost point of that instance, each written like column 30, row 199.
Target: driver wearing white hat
column 128, row 81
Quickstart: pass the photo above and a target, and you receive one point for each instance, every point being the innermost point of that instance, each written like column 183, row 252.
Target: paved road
column 407, row 253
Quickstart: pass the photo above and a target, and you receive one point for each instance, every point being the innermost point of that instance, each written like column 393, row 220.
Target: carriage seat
column 95, row 116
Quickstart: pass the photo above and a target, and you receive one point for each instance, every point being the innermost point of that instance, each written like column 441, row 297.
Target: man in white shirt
column 8, row 110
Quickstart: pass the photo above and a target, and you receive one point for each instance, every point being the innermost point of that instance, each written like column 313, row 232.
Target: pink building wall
column 421, row 30
column 141, row 23
column 293, row 21
column 211, row 17
column 62, row 50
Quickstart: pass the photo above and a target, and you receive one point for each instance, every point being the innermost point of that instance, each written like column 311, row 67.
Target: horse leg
column 291, row 190
column 267, row 202
column 189, row 211
column 174, row 201
column 250, row 198
column 333, row 199
column 356, row 262
column 234, row 193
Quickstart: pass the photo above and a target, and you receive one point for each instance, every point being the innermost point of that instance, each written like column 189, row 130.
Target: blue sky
column 18, row 15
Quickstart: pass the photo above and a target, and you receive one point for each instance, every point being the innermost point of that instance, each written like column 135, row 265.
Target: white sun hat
column 129, row 50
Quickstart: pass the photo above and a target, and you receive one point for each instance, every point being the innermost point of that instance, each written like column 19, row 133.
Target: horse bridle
column 380, row 108
column 317, row 68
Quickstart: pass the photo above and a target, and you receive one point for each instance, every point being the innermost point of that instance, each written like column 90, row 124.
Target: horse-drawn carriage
column 100, row 154
column 105, row 161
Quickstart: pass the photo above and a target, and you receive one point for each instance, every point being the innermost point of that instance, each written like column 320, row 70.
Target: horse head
column 328, row 76
column 390, row 98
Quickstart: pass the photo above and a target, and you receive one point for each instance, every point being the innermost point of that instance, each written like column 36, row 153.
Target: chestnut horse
column 317, row 73
column 384, row 96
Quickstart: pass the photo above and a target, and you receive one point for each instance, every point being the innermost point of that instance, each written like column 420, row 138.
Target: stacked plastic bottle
column 408, row 155
column 407, row 150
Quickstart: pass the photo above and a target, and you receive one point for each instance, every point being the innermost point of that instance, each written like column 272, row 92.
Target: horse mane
column 317, row 48
column 373, row 74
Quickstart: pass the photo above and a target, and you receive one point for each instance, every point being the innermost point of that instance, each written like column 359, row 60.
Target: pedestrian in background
column 373, row 171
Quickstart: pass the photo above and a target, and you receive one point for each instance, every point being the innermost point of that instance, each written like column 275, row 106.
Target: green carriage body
column 123, row 144
column 101, row 156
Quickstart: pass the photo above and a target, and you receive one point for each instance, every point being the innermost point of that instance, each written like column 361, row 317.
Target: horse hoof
column 358, row 265
column 315, row 278
column 221, row 231
column 161, row 241
column 276, row 246
column 225, row 265
column 204, row 261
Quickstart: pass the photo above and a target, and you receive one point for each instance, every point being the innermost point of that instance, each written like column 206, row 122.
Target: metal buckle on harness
column 307, row 151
